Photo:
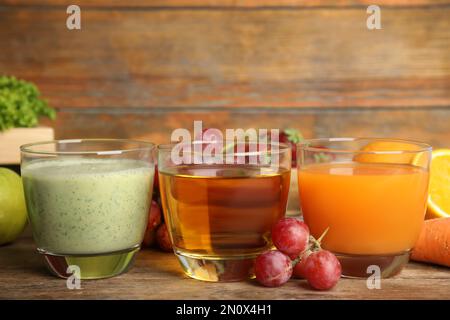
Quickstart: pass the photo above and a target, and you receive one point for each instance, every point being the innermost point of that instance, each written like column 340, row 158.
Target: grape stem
column 319, row 241
column 314, row 245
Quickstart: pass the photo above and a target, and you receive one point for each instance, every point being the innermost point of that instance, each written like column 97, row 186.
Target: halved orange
column 386, row 157
column 439, row 189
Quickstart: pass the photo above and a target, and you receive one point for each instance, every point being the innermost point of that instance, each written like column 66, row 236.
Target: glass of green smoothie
column 88, row 202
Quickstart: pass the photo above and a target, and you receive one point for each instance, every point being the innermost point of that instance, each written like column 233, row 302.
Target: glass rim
column 284, row 147
column 27, row 148
column 304, row 145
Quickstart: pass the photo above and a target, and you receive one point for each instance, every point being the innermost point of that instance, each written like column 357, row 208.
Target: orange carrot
column 433, row 245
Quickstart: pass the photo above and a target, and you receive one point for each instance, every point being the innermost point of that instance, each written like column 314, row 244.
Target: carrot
column 433, row 245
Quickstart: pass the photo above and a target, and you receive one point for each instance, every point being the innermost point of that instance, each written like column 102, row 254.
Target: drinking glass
column 370, row 194
column 88, row 202
column 219, row 215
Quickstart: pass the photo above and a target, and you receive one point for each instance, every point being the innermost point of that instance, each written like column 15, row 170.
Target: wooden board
column 202, row 58
column 430, row 125
column 157, row 275
column 140, row 69
column 11, row 140
column 229, row 3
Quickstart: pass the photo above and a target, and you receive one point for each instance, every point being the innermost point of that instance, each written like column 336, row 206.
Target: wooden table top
column 157, row 275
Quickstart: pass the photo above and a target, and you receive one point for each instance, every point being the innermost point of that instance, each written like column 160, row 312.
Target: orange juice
column 370, row 208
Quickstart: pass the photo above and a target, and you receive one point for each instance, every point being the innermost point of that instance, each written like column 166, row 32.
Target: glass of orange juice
column 371, row 196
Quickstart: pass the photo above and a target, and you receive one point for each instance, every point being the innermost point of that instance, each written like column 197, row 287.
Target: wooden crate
column 11, row 140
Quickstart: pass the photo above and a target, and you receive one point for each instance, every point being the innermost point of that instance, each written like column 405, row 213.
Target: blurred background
column 141, row 68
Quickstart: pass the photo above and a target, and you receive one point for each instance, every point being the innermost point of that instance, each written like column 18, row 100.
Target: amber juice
column 222, row 213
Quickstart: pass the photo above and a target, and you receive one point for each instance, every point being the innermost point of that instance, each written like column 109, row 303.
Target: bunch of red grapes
column 299, row 255
column 156, row 233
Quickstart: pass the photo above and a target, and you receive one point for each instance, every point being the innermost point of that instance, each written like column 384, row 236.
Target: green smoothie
column 87, row 206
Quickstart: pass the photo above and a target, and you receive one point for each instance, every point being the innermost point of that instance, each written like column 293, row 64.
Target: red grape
column 163, row 239
column 154, row 220
column 322, row 270
column 291, row 137
column 149, row 238
column 299, row 268
column 290, row 236
column 212, row 134
column 273, row 268
column 156, row 180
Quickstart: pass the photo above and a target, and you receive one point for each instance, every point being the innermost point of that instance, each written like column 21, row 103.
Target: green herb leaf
column 294, row 135
column 21, row 104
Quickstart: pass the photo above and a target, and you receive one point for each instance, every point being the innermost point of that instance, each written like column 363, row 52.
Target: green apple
column 13, row 212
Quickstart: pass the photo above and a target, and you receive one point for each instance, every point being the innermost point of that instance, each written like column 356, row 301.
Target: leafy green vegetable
column 293, row 135
column 21, row 104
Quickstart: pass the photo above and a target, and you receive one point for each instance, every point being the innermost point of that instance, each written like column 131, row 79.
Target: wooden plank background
column 140, row 69
column 227, row 3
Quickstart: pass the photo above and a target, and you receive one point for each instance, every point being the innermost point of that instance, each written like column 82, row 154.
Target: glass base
column 217, row 269
column 357, row 266
column 91, row 266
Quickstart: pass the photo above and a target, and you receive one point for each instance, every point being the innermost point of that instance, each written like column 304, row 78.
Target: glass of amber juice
column 219, row 215
column 370, row 193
